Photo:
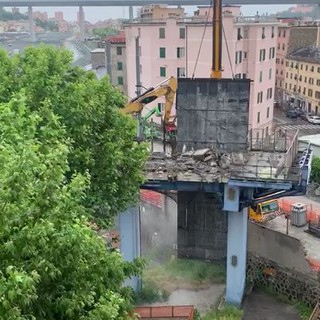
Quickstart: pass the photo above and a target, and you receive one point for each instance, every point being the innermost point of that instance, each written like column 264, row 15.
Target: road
column 80, row 50
column 304, row 127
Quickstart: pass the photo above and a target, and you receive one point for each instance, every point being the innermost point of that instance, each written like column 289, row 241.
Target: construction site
column 222, row 175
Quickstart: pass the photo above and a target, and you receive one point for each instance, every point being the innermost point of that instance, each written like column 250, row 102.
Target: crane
column 216, row 69
column 167, row 89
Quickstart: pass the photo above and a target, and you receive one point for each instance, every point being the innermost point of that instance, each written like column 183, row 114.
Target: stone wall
column 296, row 286
column 202, row 226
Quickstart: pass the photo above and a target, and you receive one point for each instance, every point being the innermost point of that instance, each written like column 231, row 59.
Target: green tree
column 53, row 266
column 104, row 32
column 6, row 15
column 102, row 139
column 47, row 25
column 315, row 170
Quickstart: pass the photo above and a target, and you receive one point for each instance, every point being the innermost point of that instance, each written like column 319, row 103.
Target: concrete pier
column 31, row 25
column 81, row 23
column 131, row 13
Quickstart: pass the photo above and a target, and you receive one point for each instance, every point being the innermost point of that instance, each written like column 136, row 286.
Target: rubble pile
column 206, row 163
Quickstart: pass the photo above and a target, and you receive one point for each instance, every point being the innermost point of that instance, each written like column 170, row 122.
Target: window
column 119, row 51
column 262, row 54
column 272, row 52
column 268, row 112
column 263, row 35
column 279, row 33
column 311, row 80
column 239, row 36
column 318, row 82
column 238, row 57
column 162, row 52
column 182, row 33
column 244, row 55
column 287, row 63
column 162, row 33
column 272, row 32
column 277, row 71
column 277, row 60
column 301, row 66
column 278, row 46
column 291, row 75
column 305, row 79
column 119, row 66
column 260, row 76
column 181, row 72
column 286, row 74
column 120, row 81
column 160, row 107
column 282, row 61
column 284, row 33
column 258, row 117
column 310, row 93
column 317, row 94
column 304, row 90
column 181, row 52
column 306, row 67
column 163, row 72
column 318, row 69
column 283, row 46
column 269, row 93
column 270, row 73
column 260, row 97
column 312, row 69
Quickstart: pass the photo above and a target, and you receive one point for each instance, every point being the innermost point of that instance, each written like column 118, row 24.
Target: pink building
column 170, row 47
column 43, row 16
column 58, row 16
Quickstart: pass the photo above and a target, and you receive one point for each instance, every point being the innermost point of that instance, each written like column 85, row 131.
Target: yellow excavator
column 167, row 89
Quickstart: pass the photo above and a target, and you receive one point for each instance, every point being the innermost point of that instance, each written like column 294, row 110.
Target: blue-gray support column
column 81, row 23
column 131, row 13
column 31, row 24
column 129, row 229
column 236, row 245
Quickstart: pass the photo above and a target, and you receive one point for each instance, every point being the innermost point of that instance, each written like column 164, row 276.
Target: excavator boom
column 167, row 89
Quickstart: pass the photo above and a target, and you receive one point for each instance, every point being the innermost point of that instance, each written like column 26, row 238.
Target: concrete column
column 31, row 25
column 131, row 13
column 129, row 229
column 236, row 256
column 81, row 23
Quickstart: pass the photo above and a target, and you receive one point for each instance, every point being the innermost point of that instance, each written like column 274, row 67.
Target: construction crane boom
column 216, row 69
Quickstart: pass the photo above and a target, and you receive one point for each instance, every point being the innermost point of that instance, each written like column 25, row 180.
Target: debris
column 201, row 153
column 225, row 161
column 208, row 158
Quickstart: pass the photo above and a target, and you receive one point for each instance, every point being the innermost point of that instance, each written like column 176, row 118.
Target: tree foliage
column 52, row 264
column 104, row 32
column 47, row 25
column 6, row 15
column 102, row 139
column 315, row 170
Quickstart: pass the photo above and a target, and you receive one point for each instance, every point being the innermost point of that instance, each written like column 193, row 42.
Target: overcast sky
column 94, row 14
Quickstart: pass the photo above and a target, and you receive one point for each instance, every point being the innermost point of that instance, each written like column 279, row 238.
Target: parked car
column 314, row 119
column 290, row 113
column 305, row 116
column 299, row 112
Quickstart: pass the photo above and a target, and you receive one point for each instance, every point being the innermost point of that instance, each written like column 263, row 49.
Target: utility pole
column 138, row 86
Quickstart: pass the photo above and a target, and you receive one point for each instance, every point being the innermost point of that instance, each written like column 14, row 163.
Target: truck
column 265, row 211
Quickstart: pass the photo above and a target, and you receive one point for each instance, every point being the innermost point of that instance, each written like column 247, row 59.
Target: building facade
column 183, row 48
column 302, row 79
column 157, row 11
column 292, row 35
column 117, row 61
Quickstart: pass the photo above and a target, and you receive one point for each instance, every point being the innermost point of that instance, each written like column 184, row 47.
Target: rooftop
column 307, row 54
column 119, row 38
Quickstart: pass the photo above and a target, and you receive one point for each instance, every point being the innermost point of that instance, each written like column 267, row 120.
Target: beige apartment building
column 292, row 35
column 302, row 79
column 116, row 61
column 160, row 11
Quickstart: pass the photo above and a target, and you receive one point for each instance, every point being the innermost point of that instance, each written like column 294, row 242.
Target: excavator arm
column 166, row 89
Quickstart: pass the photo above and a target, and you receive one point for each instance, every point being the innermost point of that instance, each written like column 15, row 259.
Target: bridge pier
column 31, row 25
column 129, row 230
column 131, row 13
column 81, row 23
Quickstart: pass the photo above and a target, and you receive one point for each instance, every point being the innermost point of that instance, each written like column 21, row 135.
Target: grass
column 149, row 294
column 182, row 274
column 226, row 313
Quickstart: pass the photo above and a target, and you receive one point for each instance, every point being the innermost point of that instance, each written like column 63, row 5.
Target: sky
column 94, row 14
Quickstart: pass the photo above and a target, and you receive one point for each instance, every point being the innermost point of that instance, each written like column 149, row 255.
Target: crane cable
column 228, row 51
column 201, row 42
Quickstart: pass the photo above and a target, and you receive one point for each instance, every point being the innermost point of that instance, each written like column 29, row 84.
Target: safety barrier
column 152, row 197
column 313, row 211
column 165, row 312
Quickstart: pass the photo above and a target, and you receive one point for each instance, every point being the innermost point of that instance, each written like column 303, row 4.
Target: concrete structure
column 302, row 81
column 156, row 11
column 31, row 25
column 117, row 61
column 98, row 58
column 94, row 3
column 313, row 140
column 215, row 184
column 58, row 16
column 81, row 21
column 292, row 35
column 171, row 46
